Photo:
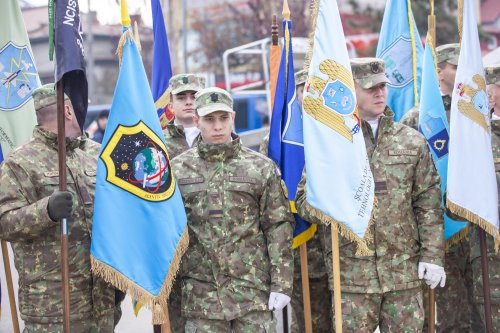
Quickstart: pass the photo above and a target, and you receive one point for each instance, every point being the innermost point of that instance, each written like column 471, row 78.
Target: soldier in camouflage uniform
column 181, row 132
column 384, row 289
column 30, row 209
column 493, row 81
column 180, row 135
column 239, row 262
column 456, row 309
column 321, row 301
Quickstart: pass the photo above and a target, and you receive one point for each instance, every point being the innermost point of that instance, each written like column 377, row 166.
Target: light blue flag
column 139, row 229
column 433, row 124
column 401, row 48
column 340, row 186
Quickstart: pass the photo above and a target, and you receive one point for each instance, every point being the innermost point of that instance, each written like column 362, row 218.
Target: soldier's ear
column 196, row 121
column 68, row 112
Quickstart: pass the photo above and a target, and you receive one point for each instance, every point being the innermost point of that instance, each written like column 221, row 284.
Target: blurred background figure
column 102, row 121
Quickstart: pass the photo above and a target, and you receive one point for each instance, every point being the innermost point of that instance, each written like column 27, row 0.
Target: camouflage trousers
column 104, row 324
column 252, row 322
column 321, row 305
column 396, row 311
column 177, row 321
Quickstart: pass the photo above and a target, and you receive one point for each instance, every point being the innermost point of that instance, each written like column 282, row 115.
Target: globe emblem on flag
column 150, row 168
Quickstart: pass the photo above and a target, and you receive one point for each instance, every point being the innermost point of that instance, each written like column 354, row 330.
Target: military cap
column 300, row 77
column 368, row 72
column 45, row 96
column 186, row 82
column 492, row 74
column 212, row 100
column 448, row 53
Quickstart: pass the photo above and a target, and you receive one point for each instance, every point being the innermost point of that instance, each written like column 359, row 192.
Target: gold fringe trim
column 362, row 243
column 456, row 238
column 314, row 21
column 460, row 18
column 473, row 218
column 164, row 99
column 127, row 35
column 157, row 304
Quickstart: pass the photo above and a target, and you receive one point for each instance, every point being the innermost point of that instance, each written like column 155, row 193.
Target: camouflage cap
column 300, row 77
column 186, row 82
column 448, row 53
column 212, row 100
column 368, row 72
column 45, row 96
column 492, row 74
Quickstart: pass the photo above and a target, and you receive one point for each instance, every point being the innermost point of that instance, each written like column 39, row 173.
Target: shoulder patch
column 407, row 152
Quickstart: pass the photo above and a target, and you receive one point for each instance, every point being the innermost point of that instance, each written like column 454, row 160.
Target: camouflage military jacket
column 27, row 178
column 240, row 231
column 315, row 246
column 411, row 117
column 409, row 224
column 176, row 140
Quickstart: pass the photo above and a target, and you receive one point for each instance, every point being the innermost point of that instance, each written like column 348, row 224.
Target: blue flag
column 400, row 46
column 286, row 142
column 139, row 229
column 162, row 68
column 435, row 128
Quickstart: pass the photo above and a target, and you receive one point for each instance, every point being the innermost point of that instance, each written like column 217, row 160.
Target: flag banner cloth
column 162, row 68
column 340, row 188
column 139, row 229
column 400, row 46
column 286, row 142
column 18, row 79
column 472, row 186
column 433, row 124
column 70, row 62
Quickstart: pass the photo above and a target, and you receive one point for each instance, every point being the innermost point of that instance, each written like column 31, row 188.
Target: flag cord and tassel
column 10, row 287
column 413, row 53
column 314, row 20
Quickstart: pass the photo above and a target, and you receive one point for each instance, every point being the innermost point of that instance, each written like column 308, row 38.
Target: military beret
column 368, row 72
column 300, row 77
column 212, row 100
column 45, row 96
column 186, row 82
column 492, row 74
column 448, row 53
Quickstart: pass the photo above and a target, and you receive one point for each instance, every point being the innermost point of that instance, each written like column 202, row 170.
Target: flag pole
column 274, row 62
column 486, row 281
column 165, row 328
column 336, row 279
column 10, row 287
column 304, row 271
column 61, row 144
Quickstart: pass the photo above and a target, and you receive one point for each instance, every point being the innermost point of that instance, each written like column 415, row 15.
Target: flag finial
column 125, row 16
column 286, row 11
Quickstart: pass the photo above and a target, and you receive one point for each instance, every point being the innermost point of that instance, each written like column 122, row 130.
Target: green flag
column 18, row 78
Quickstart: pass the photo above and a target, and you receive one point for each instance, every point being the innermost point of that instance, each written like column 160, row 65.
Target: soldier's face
column 494, row 96
column 446, row 77
column 182, row 106
column 371, row 102
column 215, row 127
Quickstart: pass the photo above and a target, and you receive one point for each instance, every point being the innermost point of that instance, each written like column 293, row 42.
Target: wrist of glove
column 60, row 205
column 433, row 274
column 278, row 301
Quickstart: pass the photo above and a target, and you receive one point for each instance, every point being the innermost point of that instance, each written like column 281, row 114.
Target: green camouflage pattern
column 45, row 96
column 99, row 325
column 252, row 322
column 448, row 53
column 408, row 228
column 212, row 100
column 321, row 303
column 493, row 257
column 240, row 231
column 27, row 178
column 175, row 138
column 492, row 74
column 368, row 72
column 395, row 311
column 186, row 82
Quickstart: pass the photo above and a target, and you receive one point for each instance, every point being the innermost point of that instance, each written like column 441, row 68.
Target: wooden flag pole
column 10, row 287
column 166, row 328
column 274, row 63
column 304, row 271
column 432, row 311
column 336, row 279
column 61, row 144
column 486, row 281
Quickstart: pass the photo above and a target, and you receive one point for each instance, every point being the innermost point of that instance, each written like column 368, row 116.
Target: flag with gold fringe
column 472, row 186
column 139, row 228
column 340, row 187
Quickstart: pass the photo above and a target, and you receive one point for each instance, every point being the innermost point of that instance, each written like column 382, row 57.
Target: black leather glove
column 60, row 205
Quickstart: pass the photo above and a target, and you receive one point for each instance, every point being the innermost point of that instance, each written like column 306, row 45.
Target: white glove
column 432, row 274
column 278, row 301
